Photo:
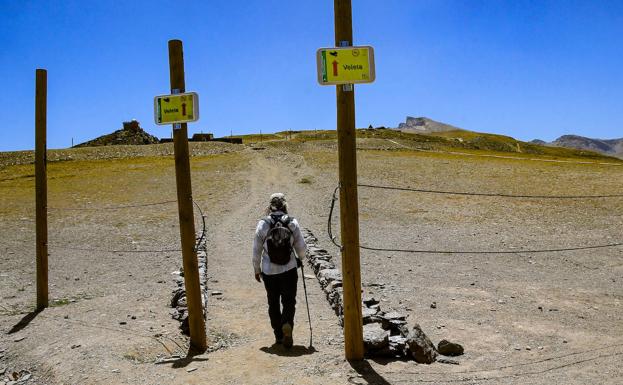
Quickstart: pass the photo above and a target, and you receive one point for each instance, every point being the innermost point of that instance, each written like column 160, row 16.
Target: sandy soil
column 522, row 317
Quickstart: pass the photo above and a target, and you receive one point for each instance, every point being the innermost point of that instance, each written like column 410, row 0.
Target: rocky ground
column 524, row 317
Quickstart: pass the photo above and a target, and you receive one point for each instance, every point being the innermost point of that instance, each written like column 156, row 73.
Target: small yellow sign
column 178, row 108
column 345, row 65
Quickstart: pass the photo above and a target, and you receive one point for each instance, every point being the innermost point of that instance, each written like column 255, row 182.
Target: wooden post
column 185, row 207
column 41, row 187
column 349, row 210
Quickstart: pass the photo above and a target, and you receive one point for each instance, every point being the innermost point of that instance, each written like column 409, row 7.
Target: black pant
column 282, row 286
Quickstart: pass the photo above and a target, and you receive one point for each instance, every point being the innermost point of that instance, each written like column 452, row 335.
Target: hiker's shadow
column 294, row 351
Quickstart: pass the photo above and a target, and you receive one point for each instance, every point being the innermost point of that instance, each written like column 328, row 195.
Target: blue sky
column 529, row 69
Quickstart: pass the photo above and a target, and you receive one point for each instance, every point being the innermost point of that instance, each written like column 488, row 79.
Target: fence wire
column 152, row 251
column 111, row 207
column 491, row 194
column 420, row 251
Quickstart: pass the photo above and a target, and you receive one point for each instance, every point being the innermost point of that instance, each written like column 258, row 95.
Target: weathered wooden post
column 41, row 187
column 196, row 322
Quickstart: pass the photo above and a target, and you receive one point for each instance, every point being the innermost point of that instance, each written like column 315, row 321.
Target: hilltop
column 130, row 134
column 424, row 125
column 612, row 147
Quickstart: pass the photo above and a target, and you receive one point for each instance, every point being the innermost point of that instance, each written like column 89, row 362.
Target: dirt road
column 538, row 319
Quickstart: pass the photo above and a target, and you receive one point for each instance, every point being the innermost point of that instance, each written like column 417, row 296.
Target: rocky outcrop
column 424, row 125
column 604, row 146
column 130, row 134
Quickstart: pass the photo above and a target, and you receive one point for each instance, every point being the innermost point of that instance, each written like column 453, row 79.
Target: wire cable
column 111, row 207
column 416, row 251
column 533, row 251
column 329, row 227
column 203, row 230
column 492, row 194
column 113, row 250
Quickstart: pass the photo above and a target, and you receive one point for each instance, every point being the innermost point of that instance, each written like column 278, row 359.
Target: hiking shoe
column 278, row 341
column 287, row 335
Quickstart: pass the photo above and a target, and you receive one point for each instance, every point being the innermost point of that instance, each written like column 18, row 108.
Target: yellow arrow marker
column 179, row 108
column 345, row 65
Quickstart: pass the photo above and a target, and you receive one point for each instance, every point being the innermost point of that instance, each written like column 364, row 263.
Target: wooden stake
column 41, row 187
column 349, row 210
column 185, row 207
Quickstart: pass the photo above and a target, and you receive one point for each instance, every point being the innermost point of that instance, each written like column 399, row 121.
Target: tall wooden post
column 41, row 187
column 185, row 207
column 349, row 210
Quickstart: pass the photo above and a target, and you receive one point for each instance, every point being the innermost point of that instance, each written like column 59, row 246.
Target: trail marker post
column 196, row 322
column 41, row 187
column 342, row 66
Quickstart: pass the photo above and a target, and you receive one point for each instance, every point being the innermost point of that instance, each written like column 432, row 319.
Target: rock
column 330, row 275
column 190, row 370
column 398, row 345
column 309, row 276
column 393, row 325
column 18, row 339
column 433, row 305
column 395, row 316
column 216, row 292
column 448, row 348
column 374, row 337
column 420, row 347
column 370, row 301
column 177, row 294
column 319, row 264
column 447, row 361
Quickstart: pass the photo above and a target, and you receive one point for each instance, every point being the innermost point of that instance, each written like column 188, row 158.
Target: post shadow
column 367, row 372
column 24, row 321
column 183, row 362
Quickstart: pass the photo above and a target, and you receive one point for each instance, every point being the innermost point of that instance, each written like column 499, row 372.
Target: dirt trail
column 239, row 317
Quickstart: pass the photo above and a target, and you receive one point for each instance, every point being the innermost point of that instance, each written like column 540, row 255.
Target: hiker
column 276, row 236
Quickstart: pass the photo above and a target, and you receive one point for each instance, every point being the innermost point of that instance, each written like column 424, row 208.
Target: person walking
column 276, row 237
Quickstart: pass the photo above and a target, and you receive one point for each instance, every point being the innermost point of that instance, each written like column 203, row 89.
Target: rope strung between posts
column 203, row 223
column 113, row 250
column 95, row 250
column 415, row 251
column 111, row 207
column 329, row 227
column 492, row 194
column 533, row 251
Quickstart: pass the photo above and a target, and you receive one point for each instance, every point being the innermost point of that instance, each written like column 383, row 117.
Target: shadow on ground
column 368, row 373
column 182, row 362
column 294, row 351
column 24, row 321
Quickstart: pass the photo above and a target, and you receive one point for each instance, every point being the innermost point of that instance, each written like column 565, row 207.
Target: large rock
column 374, row 337
column 448, row 348
column 330, row 275
column 420, row 347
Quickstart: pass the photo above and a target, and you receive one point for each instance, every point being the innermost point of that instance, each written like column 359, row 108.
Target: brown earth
column 522, row 318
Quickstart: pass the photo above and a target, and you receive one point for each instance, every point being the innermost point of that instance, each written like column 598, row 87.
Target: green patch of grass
column 60, row 302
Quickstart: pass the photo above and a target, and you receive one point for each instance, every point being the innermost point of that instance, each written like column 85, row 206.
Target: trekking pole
column 307, row 303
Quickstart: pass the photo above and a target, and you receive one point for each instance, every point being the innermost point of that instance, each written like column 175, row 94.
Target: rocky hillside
column 604, row 146
column 131, row 133
column 424, row 125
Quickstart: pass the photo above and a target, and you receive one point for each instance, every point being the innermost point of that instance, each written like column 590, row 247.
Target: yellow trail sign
column 178, row 108
column 345, row 65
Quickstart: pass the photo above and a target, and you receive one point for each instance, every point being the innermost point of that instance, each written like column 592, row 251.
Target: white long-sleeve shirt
column 261, row 261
